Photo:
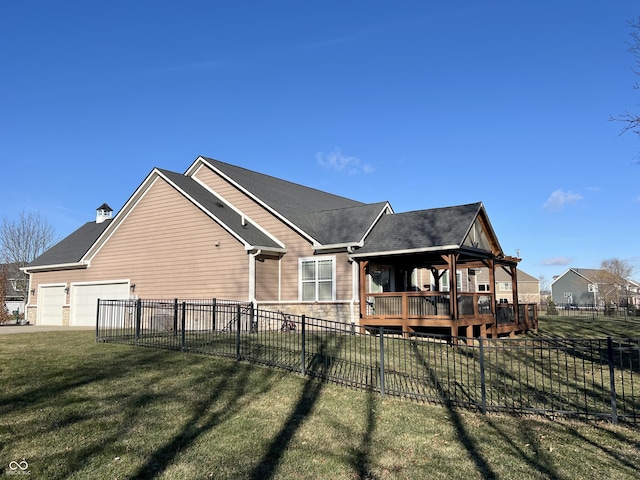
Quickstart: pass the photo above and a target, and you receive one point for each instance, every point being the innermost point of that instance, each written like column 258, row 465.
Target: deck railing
column 426, row 305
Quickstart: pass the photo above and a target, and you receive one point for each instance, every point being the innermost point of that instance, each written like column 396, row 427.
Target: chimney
column 103, row 213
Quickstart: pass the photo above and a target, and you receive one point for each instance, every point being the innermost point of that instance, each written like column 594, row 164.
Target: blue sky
column 424, row 104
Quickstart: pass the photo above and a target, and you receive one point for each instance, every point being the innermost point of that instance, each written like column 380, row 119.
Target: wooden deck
column 466, row 314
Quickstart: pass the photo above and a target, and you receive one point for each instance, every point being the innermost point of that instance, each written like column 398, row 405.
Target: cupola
column 103, row 213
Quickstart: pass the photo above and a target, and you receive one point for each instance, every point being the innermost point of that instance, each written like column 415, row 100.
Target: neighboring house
column 15, row 289
column 528, row 286
column 222, row 231
column 587, row 287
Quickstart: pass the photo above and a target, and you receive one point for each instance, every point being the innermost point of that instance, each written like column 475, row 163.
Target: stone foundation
column 343, row 312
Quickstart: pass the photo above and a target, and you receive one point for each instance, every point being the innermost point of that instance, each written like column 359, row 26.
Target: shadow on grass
column 482, row 465
column 321, row 363
column 202, row 419
column 361, row 460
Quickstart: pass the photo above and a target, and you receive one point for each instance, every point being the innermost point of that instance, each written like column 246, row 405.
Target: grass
column 75, row 409
column 583, row 325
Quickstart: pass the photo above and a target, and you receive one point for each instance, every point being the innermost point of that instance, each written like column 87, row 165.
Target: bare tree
column 24, row 239
column 4, row 280
column 631, row 121
column 613, row 277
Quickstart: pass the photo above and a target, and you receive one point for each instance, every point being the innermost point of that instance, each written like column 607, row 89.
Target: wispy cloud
column 558, row 199
column 339, row 162
column 557, row 261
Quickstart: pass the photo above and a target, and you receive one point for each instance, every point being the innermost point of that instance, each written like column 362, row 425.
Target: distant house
column 15, row 288
column 528, row 286
column 222, row 231
column 586, row 287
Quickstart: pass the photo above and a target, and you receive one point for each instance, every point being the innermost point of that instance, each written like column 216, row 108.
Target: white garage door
column 50, row 301
column 84, row 300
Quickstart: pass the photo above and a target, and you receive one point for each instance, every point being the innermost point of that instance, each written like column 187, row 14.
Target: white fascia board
column 206, row 212
column 560, row 276
column 193, row 169
column 255, row 248
column 335, row 246
column 122, row 215
column 59, row 266
column 386, row 210
column 404, row 252
column 233, row 207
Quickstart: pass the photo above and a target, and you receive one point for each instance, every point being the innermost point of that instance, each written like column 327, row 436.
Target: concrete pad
column 8, row 329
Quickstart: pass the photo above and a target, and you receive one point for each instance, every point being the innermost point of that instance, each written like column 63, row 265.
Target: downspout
column 354, row 285
column 252, row 276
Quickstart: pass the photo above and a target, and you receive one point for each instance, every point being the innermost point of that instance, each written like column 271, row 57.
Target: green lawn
column 584, row 325
column 75, row 409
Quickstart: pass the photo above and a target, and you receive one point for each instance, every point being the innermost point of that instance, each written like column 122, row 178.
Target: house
column 14, row 289
column 587, row 287
column 222, row 231
column 528, row 286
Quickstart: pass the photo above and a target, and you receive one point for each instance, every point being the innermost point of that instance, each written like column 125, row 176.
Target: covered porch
column 438, row 293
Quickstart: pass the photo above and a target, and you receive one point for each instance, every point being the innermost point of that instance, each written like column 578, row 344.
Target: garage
column 51, row 299
column 84, row 299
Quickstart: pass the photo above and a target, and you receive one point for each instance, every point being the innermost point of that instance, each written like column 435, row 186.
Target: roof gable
column 291, row 202
column 424, row 230
column 345, row 225
column 236, row 223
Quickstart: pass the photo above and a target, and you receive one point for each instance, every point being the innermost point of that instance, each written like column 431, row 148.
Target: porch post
column 453, row 285
column 363, row 286
column 514, row 292
column 494, row 298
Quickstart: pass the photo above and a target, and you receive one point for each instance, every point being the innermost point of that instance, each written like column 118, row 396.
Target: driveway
column 7, row 329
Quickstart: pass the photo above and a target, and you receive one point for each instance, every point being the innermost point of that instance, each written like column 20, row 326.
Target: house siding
column 296, row 246
column 167, row 248
column 166, row 237
column 572, row 283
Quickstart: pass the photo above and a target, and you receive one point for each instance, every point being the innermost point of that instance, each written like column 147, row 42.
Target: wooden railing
column 408, row 305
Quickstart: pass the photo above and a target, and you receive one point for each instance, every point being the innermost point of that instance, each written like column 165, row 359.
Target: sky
column 420, row 103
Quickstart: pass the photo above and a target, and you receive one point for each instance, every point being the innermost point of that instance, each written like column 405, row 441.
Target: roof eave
column 58, row 266
column 405, row 252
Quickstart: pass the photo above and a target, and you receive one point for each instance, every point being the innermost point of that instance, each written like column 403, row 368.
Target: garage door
column 84, row 299
column 50, row 302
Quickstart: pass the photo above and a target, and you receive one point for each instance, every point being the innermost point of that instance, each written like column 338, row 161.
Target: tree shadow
column 361, row 460
column 321, row 363
column 482, row 465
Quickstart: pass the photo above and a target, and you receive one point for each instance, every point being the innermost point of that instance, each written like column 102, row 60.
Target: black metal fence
column 583, row 378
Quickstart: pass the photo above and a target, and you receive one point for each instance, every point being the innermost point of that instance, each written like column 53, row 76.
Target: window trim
column 316, row 260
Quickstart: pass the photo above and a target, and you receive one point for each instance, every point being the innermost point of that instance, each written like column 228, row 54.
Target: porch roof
column 420, row 231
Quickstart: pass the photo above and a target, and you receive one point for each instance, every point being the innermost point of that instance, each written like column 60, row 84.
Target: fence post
column 184, row 324
column 138, row 316
column 381, row 330
column 303, row 350
column 175, row 316
column 213, row 314
column 483, row 385
column 98, row 322
column 612, row 381
column 238, row 324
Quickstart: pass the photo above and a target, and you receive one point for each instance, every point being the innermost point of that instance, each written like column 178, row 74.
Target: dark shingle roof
column 345, row 225
column 72, row 248
column 289, row 199
column 421, row 230
column 220, row 210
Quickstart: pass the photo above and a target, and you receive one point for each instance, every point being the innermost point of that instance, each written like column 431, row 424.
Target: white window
column 317, row 279
column 444, row 281
column 504, row 286
column 483, row 287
